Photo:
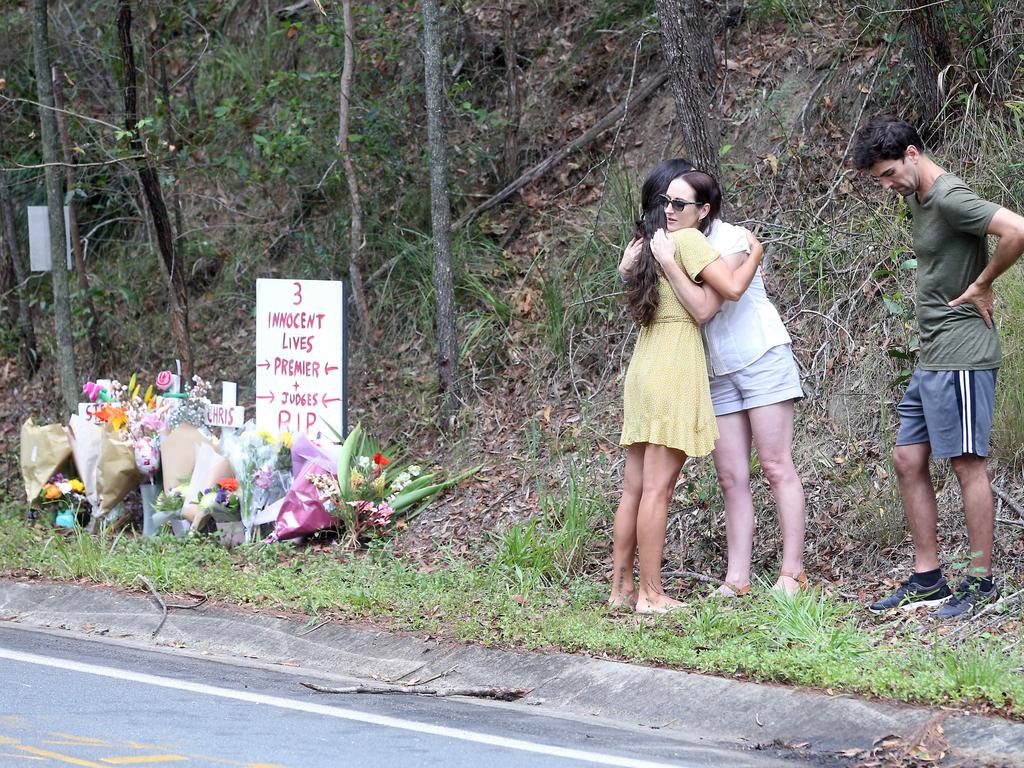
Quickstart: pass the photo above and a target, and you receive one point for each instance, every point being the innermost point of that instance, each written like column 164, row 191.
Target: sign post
column 300, row 356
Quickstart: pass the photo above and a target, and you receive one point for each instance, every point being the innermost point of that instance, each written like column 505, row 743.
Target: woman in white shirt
column 754, row 385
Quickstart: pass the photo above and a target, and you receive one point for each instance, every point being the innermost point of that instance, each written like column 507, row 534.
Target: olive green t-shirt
column 950, row 223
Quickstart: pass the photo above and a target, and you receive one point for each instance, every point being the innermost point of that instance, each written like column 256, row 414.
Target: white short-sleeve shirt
column 745, row 329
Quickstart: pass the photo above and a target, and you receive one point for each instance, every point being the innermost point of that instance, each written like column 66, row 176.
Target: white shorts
column 772, row 378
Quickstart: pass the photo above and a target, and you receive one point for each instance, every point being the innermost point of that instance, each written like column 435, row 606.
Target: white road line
column 320, row 709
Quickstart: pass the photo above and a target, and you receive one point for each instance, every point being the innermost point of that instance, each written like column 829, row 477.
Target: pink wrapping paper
column 305, row 450
column 301, row 511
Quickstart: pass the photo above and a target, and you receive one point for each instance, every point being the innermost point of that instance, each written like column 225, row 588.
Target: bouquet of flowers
column 192, row 406
column 370, row 497
column 63, row 498
column 262, row 463
column 221, row 502
column 139, row 419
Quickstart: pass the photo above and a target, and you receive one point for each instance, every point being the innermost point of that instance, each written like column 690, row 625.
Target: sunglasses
column 677, row 205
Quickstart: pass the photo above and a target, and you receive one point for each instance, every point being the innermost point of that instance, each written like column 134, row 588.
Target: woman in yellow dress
column 667, row 413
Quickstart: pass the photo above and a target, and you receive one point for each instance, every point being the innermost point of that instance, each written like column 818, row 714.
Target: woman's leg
column 732, row 463
column 624, row 529
column 660, row 472
column 772, row 426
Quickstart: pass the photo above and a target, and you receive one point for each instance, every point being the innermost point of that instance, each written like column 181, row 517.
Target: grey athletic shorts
column 951, row 410
column 772, row 378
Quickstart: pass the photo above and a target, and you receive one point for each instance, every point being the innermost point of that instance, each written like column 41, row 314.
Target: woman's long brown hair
column 642, row 285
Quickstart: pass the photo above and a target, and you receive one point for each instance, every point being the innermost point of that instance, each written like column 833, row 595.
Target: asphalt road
column 71, row 701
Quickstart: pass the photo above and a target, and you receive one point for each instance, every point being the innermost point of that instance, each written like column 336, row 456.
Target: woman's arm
column 629, row 257
column 730, row 282
column 700, row 301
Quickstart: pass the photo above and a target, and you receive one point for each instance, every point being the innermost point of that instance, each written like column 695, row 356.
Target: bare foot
column 658, row 604
column 623, row 600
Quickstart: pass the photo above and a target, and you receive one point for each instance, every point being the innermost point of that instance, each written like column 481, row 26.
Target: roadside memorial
column 201, row 467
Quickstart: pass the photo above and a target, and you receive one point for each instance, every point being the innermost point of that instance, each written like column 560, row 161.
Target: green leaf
column 909, row 264
column 345, row 460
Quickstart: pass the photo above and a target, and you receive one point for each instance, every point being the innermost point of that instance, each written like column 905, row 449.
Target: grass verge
column 811, row 640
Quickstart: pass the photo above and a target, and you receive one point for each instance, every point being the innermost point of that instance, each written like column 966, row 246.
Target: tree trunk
column 513, row 98
column 30, row 352
column 690, row 59
column 1007, row 43
column 929, row 51
column 65, row 342
column 355, row 256
column 94, row 327
column 440, row 217
column 174, row 269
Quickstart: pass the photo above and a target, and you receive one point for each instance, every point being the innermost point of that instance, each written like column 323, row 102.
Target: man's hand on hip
column 981, row 297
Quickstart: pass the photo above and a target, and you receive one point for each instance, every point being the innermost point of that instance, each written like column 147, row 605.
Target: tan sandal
column 736, row 591
column 799, row 578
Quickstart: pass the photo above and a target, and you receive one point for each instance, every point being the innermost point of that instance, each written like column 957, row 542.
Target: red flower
column 228, row 483
column 380, row 459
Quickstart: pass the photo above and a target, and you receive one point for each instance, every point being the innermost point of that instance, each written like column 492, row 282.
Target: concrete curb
column 726, row 711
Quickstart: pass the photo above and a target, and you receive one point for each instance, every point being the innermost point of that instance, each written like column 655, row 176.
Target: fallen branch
column 556, row 157
column 160, row 601
column 164, row 606
column 1008, row 500
column 498, row 694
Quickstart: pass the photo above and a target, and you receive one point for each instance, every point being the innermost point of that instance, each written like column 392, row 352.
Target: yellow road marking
column 60, row 757
column 71, row 738
column 143, row 759
column 8, row 740
column 20, row 757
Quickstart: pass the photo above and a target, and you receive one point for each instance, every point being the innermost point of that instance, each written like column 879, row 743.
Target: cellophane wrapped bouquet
column 263, row 467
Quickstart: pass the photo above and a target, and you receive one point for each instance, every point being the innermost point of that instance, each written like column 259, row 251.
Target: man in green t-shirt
column 947, row 409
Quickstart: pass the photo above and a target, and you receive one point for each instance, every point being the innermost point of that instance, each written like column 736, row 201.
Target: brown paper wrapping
column 43, row 450
column 178, row 454
column 210, row 467
column 86, row 438
column 116, row 473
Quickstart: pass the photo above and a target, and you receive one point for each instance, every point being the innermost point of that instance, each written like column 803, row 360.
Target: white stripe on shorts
column 966, row 415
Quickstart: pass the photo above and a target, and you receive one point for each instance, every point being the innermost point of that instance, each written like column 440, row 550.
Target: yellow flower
column 77, row 486
column 379, row 485
column 266, row 436
column 356, row 479
column 286, row 440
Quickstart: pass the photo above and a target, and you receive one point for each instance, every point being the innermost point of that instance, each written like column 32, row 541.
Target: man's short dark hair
column 884, row 138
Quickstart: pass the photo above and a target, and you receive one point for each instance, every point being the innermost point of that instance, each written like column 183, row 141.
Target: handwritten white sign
column 226, row 414
column 300, row 331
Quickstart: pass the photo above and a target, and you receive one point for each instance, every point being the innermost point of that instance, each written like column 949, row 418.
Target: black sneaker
column 969, row 597
column 910, row 595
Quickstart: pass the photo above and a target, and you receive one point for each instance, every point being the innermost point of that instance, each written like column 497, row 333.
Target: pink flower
column 262, row 477
column 381, row 514
column 91, row 390
column 164, row 380
column 152, row 422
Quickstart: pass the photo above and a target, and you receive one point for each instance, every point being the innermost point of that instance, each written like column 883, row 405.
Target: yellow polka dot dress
column 666, row 397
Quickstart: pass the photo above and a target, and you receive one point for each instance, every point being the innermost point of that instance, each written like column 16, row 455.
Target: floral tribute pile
column 242, row 484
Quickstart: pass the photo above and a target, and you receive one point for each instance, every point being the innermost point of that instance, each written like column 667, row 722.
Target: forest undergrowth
column 544, row 338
